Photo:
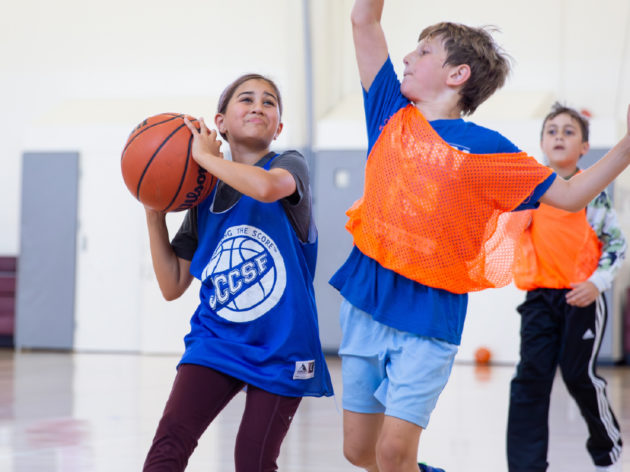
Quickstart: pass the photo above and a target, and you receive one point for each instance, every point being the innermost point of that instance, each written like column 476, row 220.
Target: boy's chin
column 404, row 89
column 408, row 93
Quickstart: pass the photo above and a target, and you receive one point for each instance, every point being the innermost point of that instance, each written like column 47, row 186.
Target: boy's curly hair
column 489, row 64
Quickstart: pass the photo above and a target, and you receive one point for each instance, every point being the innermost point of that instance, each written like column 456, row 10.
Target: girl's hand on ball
column 205, row 141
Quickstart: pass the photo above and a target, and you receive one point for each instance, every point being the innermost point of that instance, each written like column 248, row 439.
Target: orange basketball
column 482, row 355
column 158, row 168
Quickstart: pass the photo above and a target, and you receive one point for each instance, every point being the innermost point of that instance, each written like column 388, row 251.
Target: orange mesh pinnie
column 438, row 215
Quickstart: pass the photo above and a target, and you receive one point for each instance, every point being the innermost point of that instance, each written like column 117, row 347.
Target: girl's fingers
column 203, row 127
column 191, row 127
column 202, row 130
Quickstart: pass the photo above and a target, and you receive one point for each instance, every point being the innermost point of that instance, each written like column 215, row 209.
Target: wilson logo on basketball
column 247, row 274
column 194, row 196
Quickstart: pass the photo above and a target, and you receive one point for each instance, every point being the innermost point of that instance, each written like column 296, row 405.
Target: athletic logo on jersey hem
column 588, row 334
column 304, row 370
column 246, row 274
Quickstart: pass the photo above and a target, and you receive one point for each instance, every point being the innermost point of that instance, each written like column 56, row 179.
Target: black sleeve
column 185, row 241
column 298, row 206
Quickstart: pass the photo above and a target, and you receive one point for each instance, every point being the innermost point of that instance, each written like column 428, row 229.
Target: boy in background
column 565, row 261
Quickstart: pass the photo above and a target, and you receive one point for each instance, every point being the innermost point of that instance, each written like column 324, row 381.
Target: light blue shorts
column 389, row 371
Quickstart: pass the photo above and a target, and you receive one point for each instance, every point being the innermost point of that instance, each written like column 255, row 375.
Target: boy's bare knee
column 397, row 448
column 359, row 456
column 391, row 457
column 360, row 433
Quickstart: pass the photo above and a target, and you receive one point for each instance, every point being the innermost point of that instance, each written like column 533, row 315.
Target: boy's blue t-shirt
column 393, row 299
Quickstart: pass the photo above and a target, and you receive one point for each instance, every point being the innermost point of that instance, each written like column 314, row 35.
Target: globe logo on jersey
column 247, row 273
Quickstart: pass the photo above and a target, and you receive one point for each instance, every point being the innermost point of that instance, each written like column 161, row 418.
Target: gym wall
column 77, row 77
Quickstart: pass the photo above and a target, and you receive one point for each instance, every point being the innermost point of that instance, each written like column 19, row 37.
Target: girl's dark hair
column 558, row 109
column 227, row 94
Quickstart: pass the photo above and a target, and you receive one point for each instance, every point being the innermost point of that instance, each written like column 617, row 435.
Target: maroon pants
column 198, row 395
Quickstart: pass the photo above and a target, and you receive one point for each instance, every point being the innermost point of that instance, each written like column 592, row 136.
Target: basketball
column 158, row 167
column 482, row 355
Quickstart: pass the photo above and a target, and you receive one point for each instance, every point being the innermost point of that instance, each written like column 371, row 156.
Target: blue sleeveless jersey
column 257, row 320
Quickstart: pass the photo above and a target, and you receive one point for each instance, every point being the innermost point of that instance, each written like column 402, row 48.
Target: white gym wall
column 78, row 76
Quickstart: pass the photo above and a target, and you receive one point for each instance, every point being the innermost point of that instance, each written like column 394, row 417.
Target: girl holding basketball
column 253, row 244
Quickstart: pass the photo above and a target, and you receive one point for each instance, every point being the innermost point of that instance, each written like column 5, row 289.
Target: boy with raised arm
column 433, row 224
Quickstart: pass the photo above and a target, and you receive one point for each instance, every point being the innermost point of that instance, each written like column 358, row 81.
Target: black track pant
column 554, row 334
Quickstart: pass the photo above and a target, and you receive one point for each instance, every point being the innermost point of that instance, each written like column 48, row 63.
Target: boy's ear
column 585, row 147
column 458, row 75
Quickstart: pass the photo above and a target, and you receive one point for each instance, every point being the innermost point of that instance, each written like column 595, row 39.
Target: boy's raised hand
column 369, row 39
